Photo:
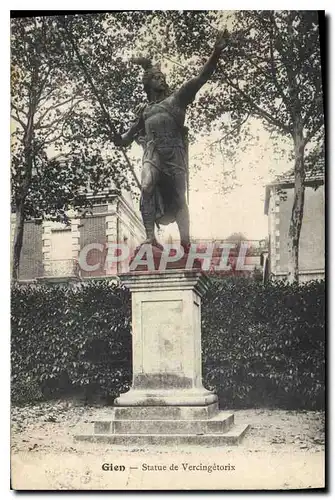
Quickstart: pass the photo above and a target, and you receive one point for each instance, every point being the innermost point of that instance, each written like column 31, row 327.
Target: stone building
column 278, row 208
column 50, row 250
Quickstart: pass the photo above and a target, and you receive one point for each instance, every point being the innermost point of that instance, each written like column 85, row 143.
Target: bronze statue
column 159, row 128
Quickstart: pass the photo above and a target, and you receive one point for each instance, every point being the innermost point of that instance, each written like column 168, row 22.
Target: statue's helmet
column 151, row 72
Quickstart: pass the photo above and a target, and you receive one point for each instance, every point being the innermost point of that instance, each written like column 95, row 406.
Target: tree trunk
column 28, row 155
column 18, row 240
column 20, row 217
column 297, row 209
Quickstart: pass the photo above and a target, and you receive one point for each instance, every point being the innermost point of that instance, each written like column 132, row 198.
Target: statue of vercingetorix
column 159, row 128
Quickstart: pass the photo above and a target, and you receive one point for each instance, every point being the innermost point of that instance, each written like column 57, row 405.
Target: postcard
column 168, row 250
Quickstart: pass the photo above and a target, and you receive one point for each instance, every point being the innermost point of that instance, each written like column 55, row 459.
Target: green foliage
column 66, row 337
column 263, row 345
column 61, row 144
column 26, row 391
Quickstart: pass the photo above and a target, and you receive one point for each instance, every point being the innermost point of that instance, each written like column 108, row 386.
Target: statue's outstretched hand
column 222, row 40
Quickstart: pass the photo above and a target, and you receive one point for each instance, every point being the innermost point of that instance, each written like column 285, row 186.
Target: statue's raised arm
column 188, row 91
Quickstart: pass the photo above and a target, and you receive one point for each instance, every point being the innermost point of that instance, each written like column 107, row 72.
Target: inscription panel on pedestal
column 162, row 336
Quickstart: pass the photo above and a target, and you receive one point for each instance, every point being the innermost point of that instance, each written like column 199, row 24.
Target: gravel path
column 282, row 450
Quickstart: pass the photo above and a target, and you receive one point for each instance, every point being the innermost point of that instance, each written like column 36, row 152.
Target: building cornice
column 288, row 184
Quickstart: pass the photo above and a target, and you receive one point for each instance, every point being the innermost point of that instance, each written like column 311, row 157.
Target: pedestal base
column 167, row 425
column 175, row 397
column 167, row 403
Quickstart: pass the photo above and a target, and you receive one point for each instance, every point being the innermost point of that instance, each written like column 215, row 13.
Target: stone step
column 232, row 437
column 166, row 412
column 217, row 425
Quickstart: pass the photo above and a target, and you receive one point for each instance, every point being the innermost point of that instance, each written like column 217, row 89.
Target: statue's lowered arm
column 128, row 137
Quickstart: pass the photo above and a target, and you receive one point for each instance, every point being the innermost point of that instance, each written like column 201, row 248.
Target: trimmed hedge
column 68, row 337
column 263, row 345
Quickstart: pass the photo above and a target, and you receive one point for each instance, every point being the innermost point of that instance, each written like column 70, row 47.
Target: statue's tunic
column 164, row 142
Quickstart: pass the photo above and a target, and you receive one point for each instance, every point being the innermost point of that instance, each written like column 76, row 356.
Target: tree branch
column 43, row 82
column 52, row 108
column 18, row 110
column 292, row 83
column 17, row 119
column 274, row 79
column 313, row 132
column 274, row 72
column 239, row 125
column 45, row 97
column 261, row 112
column 311, row 109
column 275, row 75
column 54, row 139
column 98, row 97
column 62, row 118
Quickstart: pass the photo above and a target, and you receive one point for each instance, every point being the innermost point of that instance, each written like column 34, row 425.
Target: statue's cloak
column 172, row 166
column 168, row 156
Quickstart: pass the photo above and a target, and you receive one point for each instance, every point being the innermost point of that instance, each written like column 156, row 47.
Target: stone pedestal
column 166, row 340
column 167, row 403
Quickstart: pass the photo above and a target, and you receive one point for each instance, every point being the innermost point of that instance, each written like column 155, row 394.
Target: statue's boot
column 148, row 216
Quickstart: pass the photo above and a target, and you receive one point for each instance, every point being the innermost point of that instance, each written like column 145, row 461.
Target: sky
column 216, row 213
